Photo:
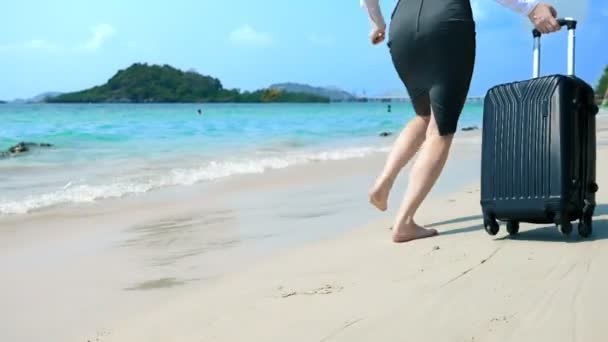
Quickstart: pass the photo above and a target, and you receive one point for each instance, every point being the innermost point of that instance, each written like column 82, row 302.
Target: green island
column 602, row 88
column 143, row 83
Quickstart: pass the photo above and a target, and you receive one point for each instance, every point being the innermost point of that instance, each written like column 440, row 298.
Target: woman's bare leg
column 404, row 148
column 425, row 171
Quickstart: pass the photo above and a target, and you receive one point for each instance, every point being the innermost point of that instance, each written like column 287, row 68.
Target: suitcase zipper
column 418, row 19
column 395, row 9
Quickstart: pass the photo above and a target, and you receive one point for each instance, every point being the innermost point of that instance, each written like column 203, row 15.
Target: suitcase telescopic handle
column 571, row 24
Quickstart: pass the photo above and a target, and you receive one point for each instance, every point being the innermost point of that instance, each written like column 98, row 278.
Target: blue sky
column 68, row 45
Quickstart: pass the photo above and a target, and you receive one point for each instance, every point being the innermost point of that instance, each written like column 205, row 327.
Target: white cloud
column 101, row 34
column 321, row 40
column 247, row 35
column 39, row 44
column 34, row 44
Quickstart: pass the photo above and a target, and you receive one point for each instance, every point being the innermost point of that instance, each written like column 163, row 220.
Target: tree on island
column 602, row 87
column 143, row 83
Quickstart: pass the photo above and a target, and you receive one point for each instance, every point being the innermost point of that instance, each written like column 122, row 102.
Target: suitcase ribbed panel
column 519, row 133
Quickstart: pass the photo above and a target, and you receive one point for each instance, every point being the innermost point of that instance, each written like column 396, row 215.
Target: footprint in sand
column 100, row 335
column 325, row 290
column 500, row 320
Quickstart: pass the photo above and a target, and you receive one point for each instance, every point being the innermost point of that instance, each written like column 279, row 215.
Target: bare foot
column 378, row 195
column 409, row 232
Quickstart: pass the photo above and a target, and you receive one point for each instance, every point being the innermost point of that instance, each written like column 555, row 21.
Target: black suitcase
column 539, row 149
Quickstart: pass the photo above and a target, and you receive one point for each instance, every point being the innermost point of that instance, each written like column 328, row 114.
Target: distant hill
column 400, row 92
column 2, row 102
column 43, row 97
column 143, row 83
column 333, row 93
column 37, row 99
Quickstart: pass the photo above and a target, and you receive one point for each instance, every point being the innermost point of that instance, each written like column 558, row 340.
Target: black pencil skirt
column 432, row 45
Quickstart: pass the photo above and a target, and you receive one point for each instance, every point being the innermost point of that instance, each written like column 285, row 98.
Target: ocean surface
column 113, row 150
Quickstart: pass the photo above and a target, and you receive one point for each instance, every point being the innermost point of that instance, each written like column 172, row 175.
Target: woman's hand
column 543, row 17
column 377, row 35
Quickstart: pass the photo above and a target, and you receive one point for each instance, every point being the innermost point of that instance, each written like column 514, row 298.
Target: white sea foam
column 212, row 170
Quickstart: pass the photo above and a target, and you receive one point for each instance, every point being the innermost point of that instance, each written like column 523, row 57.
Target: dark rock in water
column 386, row 134
column 471, row 128
column 22, row 147
column 19, row 148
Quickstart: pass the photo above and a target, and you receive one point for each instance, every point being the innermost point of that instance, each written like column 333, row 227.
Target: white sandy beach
column 299, row 255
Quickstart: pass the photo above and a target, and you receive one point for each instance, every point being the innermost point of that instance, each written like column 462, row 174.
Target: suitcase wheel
column 594, row 109
column 593, row 188
column 585, row 226
column 563, row 224
column 513, row 227
column 565, row 228
column 491, row 226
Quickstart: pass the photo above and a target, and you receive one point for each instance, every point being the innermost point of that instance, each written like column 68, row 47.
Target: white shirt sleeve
column 523, row 7
column 375, row 13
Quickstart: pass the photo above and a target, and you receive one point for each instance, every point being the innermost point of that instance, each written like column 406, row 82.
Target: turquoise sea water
column 113, row 150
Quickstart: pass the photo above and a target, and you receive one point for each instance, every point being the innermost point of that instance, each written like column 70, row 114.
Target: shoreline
column 121, row 173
